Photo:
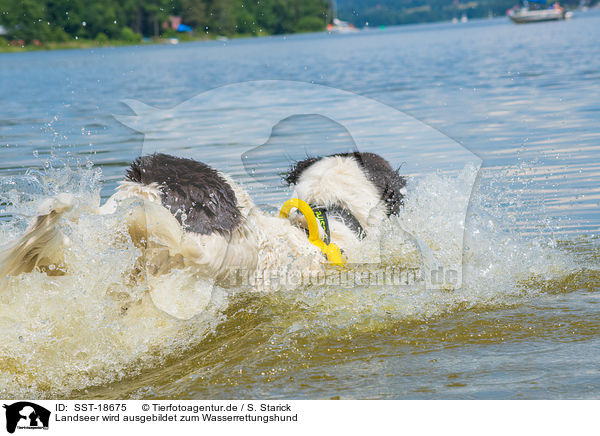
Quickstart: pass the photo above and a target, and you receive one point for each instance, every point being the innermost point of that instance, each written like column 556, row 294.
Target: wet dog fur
column 188, row 213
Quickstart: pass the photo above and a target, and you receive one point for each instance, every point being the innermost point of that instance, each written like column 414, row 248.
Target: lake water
column 496, row 121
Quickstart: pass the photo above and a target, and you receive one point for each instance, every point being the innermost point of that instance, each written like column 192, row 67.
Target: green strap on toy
column 331, row 250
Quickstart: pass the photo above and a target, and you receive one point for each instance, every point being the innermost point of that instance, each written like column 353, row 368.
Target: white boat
column 526, row 15
column 340, row 26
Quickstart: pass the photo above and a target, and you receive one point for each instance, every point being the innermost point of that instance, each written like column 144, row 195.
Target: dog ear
column 388, row 180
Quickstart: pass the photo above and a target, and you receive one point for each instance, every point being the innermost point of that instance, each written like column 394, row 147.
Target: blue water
column 524, row 99
column 510, row 94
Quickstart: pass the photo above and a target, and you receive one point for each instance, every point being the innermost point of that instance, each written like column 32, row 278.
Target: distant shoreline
column 91, row 43
column 184, row 38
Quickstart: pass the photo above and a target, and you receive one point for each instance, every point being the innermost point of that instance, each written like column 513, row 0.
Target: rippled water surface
column 499, row 117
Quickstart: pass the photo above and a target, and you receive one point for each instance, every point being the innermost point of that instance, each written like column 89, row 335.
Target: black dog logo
column 33, row 416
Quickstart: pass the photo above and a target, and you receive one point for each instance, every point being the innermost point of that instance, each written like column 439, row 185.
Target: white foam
column 99, row 322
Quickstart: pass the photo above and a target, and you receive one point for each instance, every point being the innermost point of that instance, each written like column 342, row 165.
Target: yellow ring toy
column 332, row 251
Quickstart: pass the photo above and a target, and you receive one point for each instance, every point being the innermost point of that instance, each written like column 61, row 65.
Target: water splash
column 97, row 323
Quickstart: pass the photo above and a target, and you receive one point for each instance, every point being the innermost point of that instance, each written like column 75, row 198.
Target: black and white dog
column 183, row 212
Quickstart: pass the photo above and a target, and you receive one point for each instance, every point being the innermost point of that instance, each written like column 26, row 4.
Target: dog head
column 357, row 190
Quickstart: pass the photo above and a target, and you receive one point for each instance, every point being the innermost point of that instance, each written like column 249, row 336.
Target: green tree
column 60, row 20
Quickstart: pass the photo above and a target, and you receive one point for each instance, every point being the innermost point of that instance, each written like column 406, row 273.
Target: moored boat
column 527, row 15
column 340, row 26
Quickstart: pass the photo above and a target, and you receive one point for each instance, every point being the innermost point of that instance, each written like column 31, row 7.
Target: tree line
column 129, row 20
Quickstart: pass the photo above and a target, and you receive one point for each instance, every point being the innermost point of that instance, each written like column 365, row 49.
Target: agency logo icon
column 26, row 415
column 263, row 128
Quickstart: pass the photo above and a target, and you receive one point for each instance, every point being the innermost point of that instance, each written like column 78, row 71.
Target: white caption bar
column 91, row 418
